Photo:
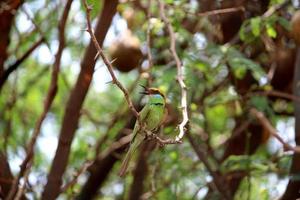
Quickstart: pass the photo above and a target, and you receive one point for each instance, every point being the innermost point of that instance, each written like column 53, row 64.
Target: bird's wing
column 143, row 116
column 144, row 113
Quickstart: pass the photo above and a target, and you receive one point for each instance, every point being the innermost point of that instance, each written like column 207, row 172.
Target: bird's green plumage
column 151, row 116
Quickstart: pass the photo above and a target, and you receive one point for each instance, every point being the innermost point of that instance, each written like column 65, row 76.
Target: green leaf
column 217, row 117
column 252, row 189
column 255, row 26
column 271, row 30
column 261, row 103
column 246, row 31
column 239, row 64
column 243, row 162
column 284, row 23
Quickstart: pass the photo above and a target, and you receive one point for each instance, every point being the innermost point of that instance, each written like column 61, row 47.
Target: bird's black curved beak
column 146, row 90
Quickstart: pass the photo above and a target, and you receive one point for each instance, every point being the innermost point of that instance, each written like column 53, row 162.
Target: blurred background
column 64, row 127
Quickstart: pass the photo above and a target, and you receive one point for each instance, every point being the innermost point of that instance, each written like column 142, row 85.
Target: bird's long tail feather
column 124, row 166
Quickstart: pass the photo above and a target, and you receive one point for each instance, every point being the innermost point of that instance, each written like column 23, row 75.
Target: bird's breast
column 155, row 117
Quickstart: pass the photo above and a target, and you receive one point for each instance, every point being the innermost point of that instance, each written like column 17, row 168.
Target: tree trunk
column 74, row 104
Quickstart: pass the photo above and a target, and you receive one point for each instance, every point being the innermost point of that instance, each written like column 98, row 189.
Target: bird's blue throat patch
column 157, row 96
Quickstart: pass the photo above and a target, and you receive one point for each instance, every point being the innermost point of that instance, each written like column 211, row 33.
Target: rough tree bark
column 74, row 104
column 7, row 13
column 293, row 189
column 6, row 177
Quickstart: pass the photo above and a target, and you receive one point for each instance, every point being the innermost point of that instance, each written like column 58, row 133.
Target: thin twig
column 18, row 62
column 25, row 179
column 114, row 146
column 268, row 126
column 108, row 63
column 221, row 11
column 276, row 93
column 275, row 8
column 237, row 132
column 74, row 180
column 180, row 75
column 27, row 162
column 37, row 27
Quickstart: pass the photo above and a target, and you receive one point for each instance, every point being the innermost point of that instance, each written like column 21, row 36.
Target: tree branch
column 220, row 11
column 292, row 189
column 14, row 66
column 180, row 75
column 267, row 125
column 108, row 63
column 28, row 161
column 75, row 102
column 74, row 180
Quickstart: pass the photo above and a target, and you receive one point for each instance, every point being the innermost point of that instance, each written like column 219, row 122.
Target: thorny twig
column 162, row 142
column 267, row 125
column 180, row 75
column 107, row 62
column 124, row 90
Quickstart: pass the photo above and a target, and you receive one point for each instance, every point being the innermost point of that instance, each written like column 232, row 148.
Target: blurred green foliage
column 214, row 103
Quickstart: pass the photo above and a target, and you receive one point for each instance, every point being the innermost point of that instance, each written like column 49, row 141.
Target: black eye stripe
column 157, row 104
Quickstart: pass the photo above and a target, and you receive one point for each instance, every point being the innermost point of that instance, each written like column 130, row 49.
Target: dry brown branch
column 28, row 161
column 221, row 11
column 18, row 62
column 180, row 75
column 74, row 104
column 238, row 131
column 107, row 62
column 74, row 180
column 276, row 93
column 268, row 126
column 22, row 189
column 160, row 141
column 123, row 89
column 36, row 26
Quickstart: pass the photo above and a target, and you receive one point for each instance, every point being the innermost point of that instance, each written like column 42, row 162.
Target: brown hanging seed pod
column 126, row 52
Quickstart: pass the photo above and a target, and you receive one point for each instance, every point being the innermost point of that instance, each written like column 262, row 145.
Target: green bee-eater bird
column 152, row 116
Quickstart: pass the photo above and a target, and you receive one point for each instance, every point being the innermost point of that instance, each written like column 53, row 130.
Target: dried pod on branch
column 126, row 52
